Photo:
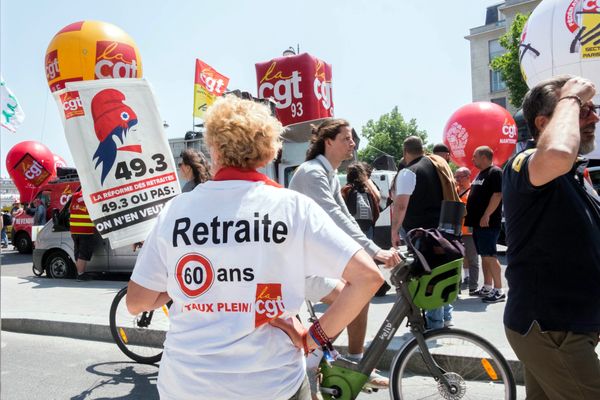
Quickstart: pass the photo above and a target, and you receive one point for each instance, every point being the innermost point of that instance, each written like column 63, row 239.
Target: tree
column 386, row 135
column 508, row 64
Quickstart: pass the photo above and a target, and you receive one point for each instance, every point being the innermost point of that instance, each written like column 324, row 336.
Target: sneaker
column 83, row 277
column 483, row 292
column 464, row 284
column 448, row 324
column 494, row 297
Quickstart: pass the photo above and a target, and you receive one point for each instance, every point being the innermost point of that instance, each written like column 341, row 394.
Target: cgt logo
column 115, row 60
column 285, row 90
column 72, row 105
column 509, row 130
column 591, row 6
column 268, row 304
column 214, row 84
column 64, row 197
column 321, row 87
column 33, row 170
column 52, row 70
column 194, row 274
column 322, row 92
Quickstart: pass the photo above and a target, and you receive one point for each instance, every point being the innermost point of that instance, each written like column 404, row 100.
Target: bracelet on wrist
column 574, row 97
column 317, row 333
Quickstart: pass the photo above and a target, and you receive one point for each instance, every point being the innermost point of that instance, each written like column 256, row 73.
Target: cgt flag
column 124, row 161
column 12, row 113
column 208, row 85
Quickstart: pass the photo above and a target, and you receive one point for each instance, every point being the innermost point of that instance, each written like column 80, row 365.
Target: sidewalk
column 80, row 310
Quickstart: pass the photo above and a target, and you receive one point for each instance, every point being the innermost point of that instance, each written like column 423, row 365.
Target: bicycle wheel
column 140, row 337
column 472, row 365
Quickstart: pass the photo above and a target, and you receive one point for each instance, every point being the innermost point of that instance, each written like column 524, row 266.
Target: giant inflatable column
column 300, row 86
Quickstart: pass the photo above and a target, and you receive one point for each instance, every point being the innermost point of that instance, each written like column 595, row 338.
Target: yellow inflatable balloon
column 88, row 50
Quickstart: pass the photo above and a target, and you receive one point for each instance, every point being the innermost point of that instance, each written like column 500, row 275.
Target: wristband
column 574, row 97
column 317, row 333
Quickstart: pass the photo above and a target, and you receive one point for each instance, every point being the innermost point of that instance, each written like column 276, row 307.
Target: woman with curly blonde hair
column 232, row 255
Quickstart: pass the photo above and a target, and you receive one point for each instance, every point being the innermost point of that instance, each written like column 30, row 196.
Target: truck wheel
column 58, row 265
column 23, row 243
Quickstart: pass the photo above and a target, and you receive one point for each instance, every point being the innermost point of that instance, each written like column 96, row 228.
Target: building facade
column 487, row 85
column 9, row 193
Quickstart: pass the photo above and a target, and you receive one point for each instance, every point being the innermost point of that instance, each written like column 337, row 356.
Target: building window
column 501, row 101
column 496, row 82
column 495, row 49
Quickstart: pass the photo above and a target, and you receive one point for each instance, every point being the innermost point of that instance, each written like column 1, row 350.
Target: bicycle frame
column 345, row 376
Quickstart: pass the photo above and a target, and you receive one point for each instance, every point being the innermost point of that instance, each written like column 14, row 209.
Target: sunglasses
column 587, row 109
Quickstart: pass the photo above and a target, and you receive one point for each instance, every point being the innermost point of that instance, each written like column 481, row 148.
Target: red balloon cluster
column 480, row 124
column 30, row 164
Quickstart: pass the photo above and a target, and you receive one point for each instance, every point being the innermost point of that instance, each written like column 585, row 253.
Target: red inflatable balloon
column 30, row 164
column 480, row 124
column 59, row 161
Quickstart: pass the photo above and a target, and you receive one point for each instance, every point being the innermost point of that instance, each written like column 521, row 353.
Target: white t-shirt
column 405, row 182
column 232, row 255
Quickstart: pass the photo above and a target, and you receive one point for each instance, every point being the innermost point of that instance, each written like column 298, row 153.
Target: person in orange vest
column 471, row 260
column 82, row 231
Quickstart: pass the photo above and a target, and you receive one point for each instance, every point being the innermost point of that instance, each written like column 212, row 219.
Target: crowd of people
column 326, row 252
column 315, row 242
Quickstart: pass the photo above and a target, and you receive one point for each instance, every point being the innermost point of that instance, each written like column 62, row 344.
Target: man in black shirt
column 484, row 216
column 552, row 317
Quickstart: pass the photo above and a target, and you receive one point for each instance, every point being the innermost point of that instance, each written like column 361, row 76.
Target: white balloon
column 563, row 37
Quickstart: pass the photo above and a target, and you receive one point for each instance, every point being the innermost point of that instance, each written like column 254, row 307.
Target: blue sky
column 384, row 53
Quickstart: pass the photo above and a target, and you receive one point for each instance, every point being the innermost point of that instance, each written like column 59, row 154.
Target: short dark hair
column 485, row 151
column 542, row 100
column 440, row 148
column 327, row 129
column 413, row 145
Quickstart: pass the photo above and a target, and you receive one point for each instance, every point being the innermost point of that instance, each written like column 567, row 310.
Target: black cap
column 441, row 148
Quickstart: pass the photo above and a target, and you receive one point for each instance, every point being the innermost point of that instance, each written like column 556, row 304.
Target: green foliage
column 387, row 134
column 508, row 63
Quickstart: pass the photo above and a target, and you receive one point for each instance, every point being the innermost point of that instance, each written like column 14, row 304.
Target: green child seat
column 438, row 288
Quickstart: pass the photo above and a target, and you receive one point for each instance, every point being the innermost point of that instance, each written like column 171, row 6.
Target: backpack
column 359, row 205
column 432, row 249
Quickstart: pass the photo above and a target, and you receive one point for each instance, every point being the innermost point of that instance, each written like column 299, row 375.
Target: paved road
column 46, row 296
column 49, row 367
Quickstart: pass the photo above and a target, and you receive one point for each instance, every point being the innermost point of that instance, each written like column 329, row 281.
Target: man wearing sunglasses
column 552, row 316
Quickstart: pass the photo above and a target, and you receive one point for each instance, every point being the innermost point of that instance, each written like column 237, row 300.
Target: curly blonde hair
column 242, row 133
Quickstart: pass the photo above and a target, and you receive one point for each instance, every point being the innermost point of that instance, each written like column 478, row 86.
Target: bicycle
column 442, row 363
column 140, row 337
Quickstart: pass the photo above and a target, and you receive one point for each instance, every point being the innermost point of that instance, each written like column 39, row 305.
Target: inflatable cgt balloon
column 30, row 164
column 88, row 50
column 480, row 124
column 59, row 161
column 561, row 37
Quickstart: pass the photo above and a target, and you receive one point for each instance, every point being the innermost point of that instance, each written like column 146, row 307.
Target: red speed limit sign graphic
column 194, row 274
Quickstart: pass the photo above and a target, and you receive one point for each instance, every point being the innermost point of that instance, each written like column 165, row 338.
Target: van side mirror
column 55, row 217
